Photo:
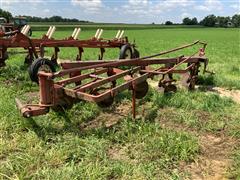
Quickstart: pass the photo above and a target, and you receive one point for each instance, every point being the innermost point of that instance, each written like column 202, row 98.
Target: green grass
column 56, row 146
column 236, row 171
column 222, row 51
column 107, row 26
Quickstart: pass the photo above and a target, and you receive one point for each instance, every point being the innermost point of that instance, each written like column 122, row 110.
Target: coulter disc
column 170, row 88
column 141, row 90
column 104, row 103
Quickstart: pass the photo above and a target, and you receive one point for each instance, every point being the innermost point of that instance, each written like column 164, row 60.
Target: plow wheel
column 104, row 103
column 38, row 65
column 63, row 104
column 141, row 89
column 126, row 52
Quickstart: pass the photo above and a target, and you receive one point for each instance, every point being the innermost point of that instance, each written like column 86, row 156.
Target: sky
column 125, row 11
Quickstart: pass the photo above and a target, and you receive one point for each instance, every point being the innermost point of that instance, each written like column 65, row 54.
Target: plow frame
column 54, row 92
column 35, row 47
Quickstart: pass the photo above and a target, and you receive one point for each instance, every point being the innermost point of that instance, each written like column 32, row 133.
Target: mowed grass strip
column 55, row 146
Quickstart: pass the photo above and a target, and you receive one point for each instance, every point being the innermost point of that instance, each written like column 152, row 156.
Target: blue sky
column 125, row 11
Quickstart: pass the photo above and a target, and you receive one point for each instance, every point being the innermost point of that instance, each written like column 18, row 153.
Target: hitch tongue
column 28, row 111
column 23, row 109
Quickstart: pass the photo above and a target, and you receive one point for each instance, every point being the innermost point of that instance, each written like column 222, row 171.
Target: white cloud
column 88, row 5
column 136, row 7
column 9, row 2
column 138, row 2
column 46, row 10
column 210, row 5
column 235, row 6
column 151, row 8
column 184, row 15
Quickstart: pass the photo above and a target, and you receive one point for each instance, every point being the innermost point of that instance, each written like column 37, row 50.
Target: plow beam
column 78, row 66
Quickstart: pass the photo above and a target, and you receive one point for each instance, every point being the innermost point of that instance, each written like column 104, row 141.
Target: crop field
column 186, row 135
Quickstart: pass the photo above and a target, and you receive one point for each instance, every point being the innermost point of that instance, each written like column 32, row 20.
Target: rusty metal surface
column 18, row 40
column 101, row 81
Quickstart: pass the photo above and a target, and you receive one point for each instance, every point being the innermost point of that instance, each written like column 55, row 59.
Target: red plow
column 101, row 81
column 35, row 47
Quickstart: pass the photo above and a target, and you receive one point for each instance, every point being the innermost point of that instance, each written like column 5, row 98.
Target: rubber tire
column 34, row 68
column 123, row 51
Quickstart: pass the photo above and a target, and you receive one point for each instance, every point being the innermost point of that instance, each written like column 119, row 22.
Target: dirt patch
column 109, row 117
column 233, row 94
column 202, row 116
column 223, row 92
column 214, row 159
column 7, row 83
column 118, row 153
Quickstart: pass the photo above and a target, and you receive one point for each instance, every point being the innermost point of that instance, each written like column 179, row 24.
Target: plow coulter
column 35, row 47
column 101, row 81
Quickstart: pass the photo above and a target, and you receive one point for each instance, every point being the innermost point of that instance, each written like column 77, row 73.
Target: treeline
column 53, row 19
column 212, row 21
column 221, row 21
column 9, row 16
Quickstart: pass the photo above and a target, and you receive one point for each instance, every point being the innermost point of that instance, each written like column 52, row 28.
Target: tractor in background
column 17, row 23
